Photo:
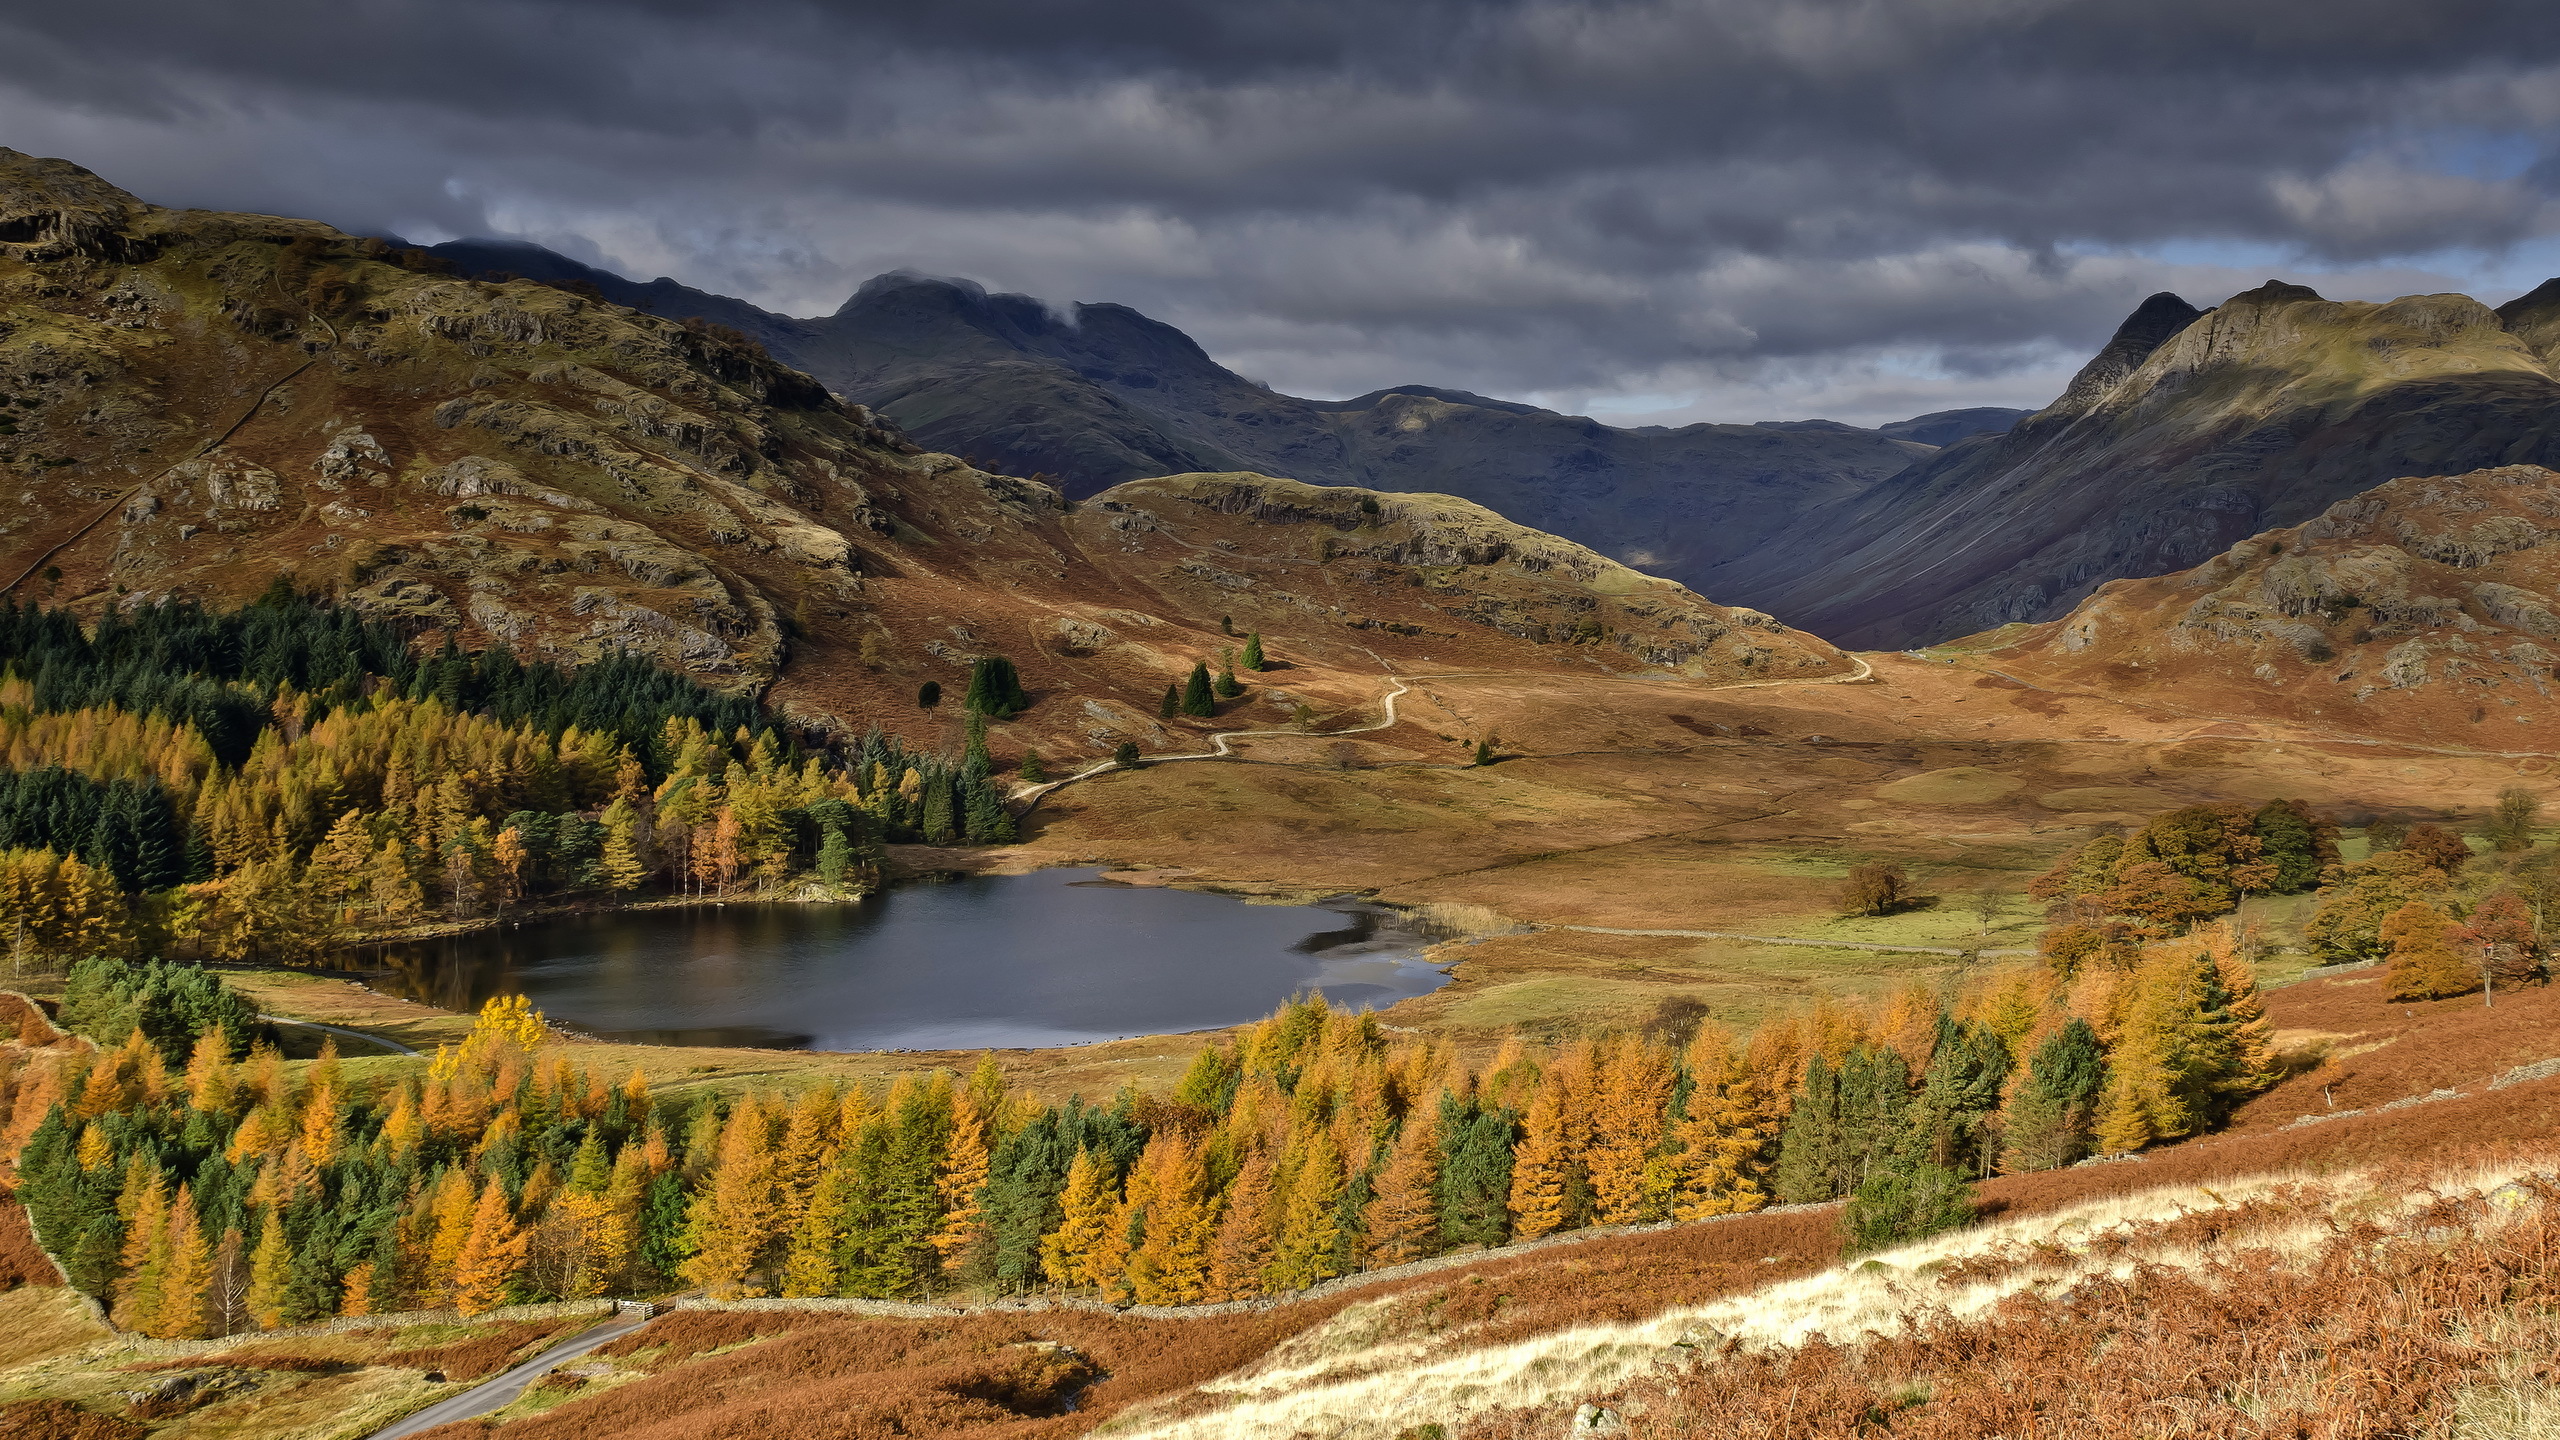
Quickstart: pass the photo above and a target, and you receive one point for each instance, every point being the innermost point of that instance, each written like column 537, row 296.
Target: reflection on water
column 1050, row 958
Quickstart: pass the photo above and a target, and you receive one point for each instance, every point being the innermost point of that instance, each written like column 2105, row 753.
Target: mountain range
column 2189, row 431
column 1087, row 396
column 200, row 402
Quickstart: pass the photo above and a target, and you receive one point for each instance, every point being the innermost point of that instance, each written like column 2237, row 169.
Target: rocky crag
column 2427, row 608
column 2189, row 432
column 197, row 403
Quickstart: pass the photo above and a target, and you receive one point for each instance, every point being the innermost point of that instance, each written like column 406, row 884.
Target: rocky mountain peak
column 2145, row 330
column 50, row 208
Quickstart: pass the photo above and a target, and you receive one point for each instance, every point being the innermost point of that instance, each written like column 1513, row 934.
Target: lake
column 1055, row 957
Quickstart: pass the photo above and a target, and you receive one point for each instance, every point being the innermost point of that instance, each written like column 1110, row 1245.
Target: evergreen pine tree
column 1033, row 772
column 941, row 821
column 1125, row 753
column 1171, row 704
column 835, row 856
column 1252, row 658
column 2052, row 1112
column 1901, row 1201
column 1813, row 1149
column 995, row 688
column 1198, row 701
column 1226, row 686
column 1475, row 1173
column 975, row 761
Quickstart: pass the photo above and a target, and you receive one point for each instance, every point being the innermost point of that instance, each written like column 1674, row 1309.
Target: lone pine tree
column 1198, row 700
column 995, row 688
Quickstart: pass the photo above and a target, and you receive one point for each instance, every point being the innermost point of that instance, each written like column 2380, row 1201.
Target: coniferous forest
column 265, row 782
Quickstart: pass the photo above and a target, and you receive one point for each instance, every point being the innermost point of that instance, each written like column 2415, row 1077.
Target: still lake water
column 1056, row 957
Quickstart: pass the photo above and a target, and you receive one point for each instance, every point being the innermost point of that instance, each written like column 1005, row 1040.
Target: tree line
column 200, row 1184
column 263, row 783
column 2446, row 919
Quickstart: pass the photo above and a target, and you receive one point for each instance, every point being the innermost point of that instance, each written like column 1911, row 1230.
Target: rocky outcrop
column 2424, row 602
column 2188, row 433
column 1464, row 564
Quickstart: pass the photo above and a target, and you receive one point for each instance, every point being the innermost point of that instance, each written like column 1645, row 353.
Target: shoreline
column 1431, row 943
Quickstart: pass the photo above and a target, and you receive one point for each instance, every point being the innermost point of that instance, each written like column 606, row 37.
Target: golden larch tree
column 270, row 1266
column 1403, row 1218
column 1303, row 1253
column 1538, row 1168
column 145, row 1261
column 1721, row 1136
column 1630, row 1093
column 1088, row 1206
column 492, row 1254
column 1242, row 1251
column 732, row 1219
column 960, row 1180
column 187, row 1282
column 1171, row 1265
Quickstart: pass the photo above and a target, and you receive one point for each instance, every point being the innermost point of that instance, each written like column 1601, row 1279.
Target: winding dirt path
column 1219, row 741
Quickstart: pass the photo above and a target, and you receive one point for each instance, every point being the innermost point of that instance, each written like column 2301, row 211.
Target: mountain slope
column 199, row 402
column 2189, row 432
column 1091, row 395
column 2428, row 608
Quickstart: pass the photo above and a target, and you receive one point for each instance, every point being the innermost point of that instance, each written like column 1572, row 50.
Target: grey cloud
column 1748, row 201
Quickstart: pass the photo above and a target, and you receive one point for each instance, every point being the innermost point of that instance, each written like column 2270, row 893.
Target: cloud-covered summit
column 1726, row 208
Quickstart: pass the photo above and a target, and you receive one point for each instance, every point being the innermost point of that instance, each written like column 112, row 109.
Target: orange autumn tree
column 1403, row 1220
column 491, row 1255
column 2424, row 963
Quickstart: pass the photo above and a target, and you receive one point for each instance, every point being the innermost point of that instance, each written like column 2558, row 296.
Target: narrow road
column 489, row 1395
column 394, row 1046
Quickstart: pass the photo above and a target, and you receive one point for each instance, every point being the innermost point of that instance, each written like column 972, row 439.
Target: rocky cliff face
column 196, row 403
column 2426, row 607
column 1092, row 395
column 2189, row 432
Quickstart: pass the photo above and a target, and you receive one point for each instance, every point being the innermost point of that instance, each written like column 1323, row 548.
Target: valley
column 1747, row 984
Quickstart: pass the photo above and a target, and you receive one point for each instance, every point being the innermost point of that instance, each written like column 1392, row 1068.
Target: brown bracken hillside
column 197, row 403
column 2421, row 610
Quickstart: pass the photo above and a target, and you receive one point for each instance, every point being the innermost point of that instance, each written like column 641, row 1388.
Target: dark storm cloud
column 1678, row 199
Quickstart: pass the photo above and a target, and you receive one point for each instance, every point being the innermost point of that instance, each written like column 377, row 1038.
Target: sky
column 1649, row 211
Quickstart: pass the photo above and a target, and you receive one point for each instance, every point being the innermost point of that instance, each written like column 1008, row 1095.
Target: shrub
column 1902, row 1203
column 1879, row 887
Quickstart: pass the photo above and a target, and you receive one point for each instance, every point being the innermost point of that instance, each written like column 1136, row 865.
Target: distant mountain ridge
column 2190, row 431
column 1098, row 394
